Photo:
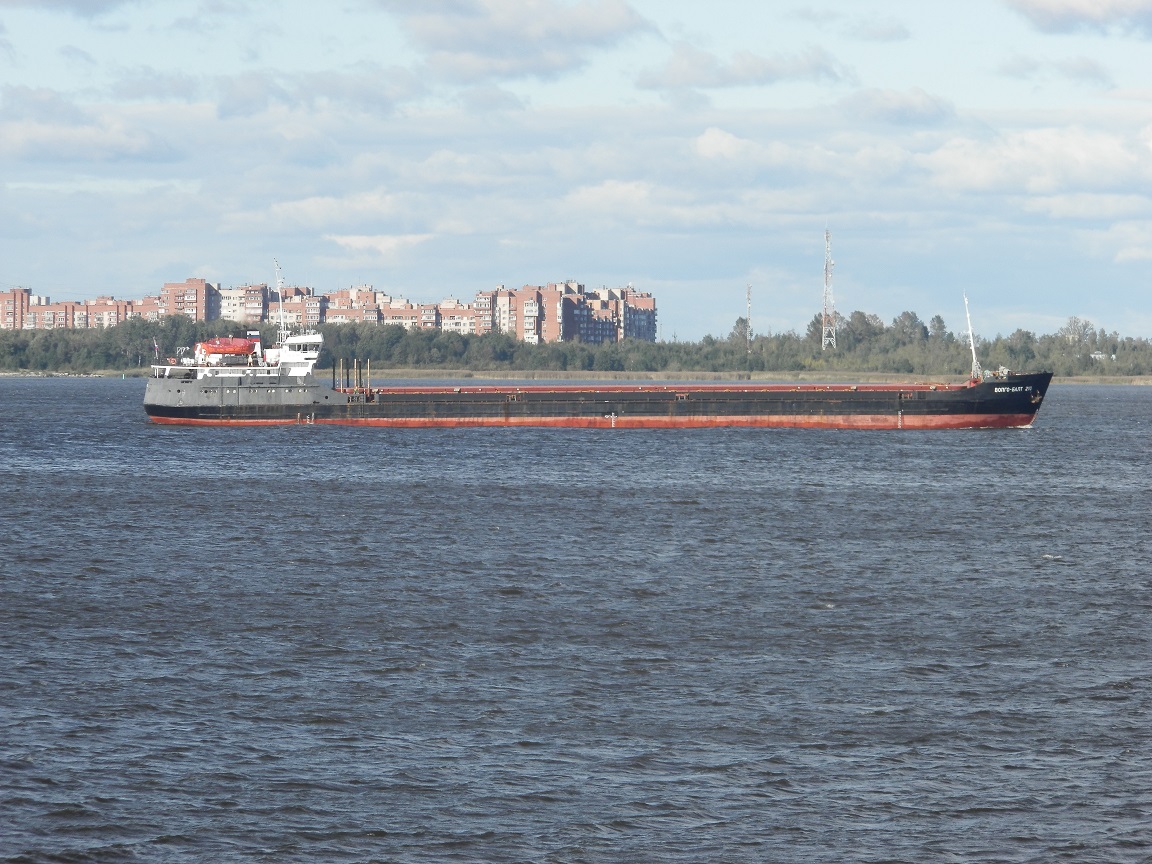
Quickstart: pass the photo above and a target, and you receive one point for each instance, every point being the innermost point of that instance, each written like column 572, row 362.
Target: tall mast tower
column 748, row 321
column 828, row 334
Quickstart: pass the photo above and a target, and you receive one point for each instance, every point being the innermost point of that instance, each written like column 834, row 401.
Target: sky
column 1000, row 149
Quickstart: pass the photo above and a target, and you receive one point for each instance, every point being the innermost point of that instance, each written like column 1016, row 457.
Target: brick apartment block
column 556, row 312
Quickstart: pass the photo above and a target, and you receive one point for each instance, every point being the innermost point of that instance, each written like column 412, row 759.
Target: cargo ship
column 235, row 382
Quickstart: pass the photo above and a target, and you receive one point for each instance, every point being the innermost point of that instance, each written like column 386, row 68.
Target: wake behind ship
column 235, row 382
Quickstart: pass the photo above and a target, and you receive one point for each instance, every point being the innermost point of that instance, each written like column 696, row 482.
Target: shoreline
column 684, row 375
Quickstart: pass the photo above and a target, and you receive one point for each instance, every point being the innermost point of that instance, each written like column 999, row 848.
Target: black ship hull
column 1003, row 401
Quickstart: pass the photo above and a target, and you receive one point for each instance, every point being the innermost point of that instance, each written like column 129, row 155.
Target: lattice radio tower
column 748, row 322
column 828, row 335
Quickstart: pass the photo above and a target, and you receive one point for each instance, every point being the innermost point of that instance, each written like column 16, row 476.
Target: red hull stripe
column 781, row 421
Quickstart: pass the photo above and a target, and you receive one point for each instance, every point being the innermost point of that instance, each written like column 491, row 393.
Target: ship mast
column 828, row 332
column 977, row 372
column 280, row 298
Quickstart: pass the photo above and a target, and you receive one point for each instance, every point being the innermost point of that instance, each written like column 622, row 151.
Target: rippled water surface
column 327, row 644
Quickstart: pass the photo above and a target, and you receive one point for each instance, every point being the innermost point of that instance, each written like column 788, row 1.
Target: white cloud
column 632, row 205
column 849, row 161
column 487, row 98
column 250, row 93
column 84, row 8
column 42, row 125
column 148, row 84
column 878, row 30
column 1039, row 161
column 35, row 142
column 385, row 248
column 613, row 198
column 1084, row 69
column 1126, row 242
column 1081, row 69
column 317, row 213
column 1061, row 16
column 908, row 107
column 365, row 87
column 40, row 104
column 117, row 186
column 1129, row 240
column 691, row 68
column 78, row 55
column 870, row 28
column 720, row 144
column 1087, row 206
column 1020, row 66
column 472, row 41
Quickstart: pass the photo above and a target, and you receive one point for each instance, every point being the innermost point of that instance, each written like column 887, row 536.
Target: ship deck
column 624, row 389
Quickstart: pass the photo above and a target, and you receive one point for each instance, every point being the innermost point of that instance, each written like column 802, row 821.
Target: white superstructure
column 294, row 357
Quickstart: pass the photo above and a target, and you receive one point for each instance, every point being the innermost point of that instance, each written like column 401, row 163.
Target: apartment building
column 197, row 299
column 102, row 312
column 20, row 309
column 247, row 304
column 567, row 311
column 457, row 317
column 13, row 307
column 555, row 312
column 482, row 313
column 359, row 305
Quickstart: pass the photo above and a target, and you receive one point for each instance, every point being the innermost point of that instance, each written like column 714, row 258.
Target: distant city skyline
column 563, row 312
column 999, row 148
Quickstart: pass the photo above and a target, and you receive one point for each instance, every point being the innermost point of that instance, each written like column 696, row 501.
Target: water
column 325, row 644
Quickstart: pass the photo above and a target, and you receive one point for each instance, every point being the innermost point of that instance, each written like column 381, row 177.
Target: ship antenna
column 977, row 372
column 828, row 331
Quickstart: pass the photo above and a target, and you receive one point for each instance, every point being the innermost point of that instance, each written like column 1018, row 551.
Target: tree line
column 864, row 343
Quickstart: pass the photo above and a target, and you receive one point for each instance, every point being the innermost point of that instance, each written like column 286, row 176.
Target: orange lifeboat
column 227, row 345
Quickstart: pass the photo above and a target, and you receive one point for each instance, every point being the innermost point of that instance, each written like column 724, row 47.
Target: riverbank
column 836, row 377
column 426, row 374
